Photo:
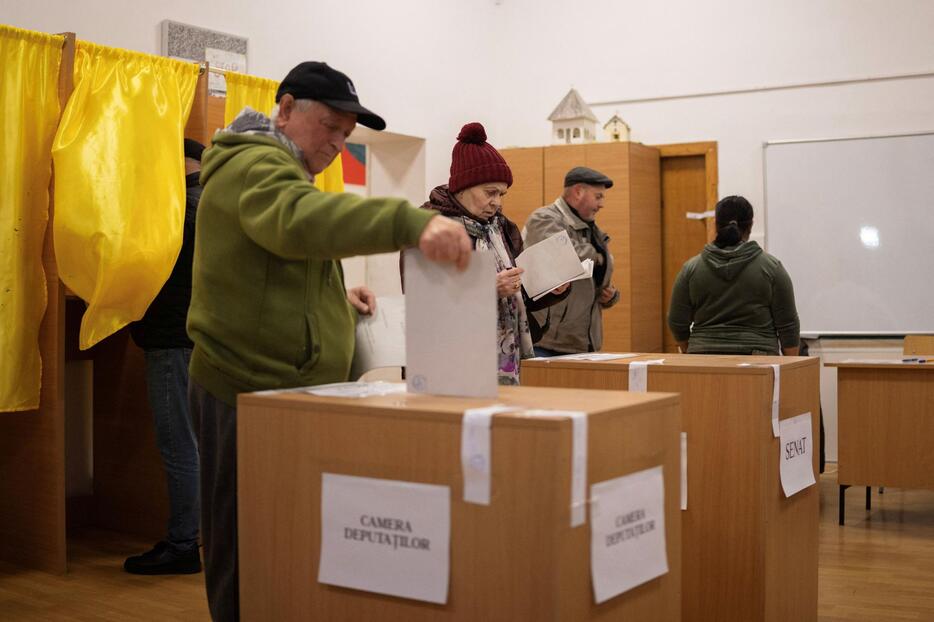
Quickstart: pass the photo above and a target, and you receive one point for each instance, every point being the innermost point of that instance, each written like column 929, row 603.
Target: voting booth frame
column 517, row 558
column 93, row 406
column 748, row 552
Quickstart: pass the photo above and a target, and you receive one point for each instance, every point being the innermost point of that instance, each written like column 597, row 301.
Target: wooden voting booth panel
column 515, row 559
column 631, row 216
column 886, row 424
column 748, row 553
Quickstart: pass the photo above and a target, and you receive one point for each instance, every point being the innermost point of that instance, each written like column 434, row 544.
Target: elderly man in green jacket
column 268, row 308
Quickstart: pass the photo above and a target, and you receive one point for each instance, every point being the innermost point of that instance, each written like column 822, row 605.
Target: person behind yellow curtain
column 120, row 182
column 260, row 94
column 29, row 66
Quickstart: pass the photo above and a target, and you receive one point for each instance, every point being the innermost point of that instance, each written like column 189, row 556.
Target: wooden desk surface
column 895, row 364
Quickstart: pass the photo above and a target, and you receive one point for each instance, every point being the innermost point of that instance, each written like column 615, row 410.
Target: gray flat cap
column 584, row 175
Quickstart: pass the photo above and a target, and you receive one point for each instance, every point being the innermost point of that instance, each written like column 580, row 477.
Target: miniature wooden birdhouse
column 616, row 129
column 572, row 121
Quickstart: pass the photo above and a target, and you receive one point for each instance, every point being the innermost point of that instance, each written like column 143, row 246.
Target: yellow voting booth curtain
column 29, row 63
column 243, row 90
column 120, row 182
column 260, row 95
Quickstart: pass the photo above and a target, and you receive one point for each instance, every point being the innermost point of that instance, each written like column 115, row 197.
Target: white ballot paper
column 549, row 264
column 627, row 532
column 476, row 453
column 385, row 536
column 639, row 375
column 450, row 320
column 797, row 454
column 578, row 460
column 380, row 337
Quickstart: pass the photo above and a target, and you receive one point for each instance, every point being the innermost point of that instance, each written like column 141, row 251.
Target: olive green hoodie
column 739, row 299
column 268, row 306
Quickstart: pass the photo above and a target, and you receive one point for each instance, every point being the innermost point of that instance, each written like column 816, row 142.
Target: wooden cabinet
column 631, row 216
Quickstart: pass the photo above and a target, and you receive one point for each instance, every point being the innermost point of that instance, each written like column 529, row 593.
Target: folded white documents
column 550, row 264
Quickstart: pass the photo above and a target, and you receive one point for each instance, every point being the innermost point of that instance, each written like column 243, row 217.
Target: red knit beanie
column 475, row 161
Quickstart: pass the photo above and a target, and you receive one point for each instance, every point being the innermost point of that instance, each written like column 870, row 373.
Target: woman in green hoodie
column 734, row 298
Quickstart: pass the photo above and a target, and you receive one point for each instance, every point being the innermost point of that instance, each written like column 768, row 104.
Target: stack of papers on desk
column 551, row 263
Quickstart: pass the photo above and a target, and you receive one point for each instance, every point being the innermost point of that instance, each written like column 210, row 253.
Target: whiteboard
column 852, row 220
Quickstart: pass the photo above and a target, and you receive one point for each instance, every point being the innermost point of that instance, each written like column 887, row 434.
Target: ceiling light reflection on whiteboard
column 869, row 236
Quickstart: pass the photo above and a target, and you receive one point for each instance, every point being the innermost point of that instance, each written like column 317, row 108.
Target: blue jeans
column 167, row 381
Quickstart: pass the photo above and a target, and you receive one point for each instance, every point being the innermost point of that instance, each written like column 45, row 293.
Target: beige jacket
column 574, row 324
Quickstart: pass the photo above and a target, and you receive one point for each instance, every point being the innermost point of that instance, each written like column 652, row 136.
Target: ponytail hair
column 733, row 220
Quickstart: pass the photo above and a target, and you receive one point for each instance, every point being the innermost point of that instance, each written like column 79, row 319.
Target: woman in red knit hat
column 473, row 196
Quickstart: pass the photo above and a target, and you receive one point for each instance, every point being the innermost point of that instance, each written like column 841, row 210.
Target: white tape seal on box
column 578, row 460
column 476, row 455
column 639, row 374
column 776, row 391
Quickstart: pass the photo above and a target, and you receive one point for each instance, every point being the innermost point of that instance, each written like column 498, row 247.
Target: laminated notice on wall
column 797, row 454
column 627, row 532
column 639, row 375
column 385, row 536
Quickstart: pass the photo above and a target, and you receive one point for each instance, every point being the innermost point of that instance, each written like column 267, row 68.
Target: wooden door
column 688, row 187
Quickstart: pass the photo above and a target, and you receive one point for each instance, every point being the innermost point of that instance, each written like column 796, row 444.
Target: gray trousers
column 216, row 426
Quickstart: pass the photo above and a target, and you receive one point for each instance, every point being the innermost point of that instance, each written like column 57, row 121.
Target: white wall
column 431, row 66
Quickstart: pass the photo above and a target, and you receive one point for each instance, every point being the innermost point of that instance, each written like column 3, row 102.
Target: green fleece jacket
column 739, row 299
column 268, row 305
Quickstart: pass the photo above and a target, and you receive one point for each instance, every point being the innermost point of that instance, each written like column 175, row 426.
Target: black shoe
column 163, row 559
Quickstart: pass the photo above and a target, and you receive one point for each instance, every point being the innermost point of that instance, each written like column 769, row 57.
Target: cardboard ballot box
column 388, row 471
column 748, row 552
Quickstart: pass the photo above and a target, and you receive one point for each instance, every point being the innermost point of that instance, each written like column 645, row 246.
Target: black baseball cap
column 318, row 81
column 584, row 175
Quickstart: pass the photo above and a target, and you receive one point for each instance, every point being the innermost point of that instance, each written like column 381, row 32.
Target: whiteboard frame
column 765, row 216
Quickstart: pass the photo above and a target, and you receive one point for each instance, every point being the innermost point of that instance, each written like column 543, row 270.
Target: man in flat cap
column 576, row 323
column 269, row 309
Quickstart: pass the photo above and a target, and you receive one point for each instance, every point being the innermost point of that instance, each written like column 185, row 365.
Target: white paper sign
column 627, row 532
column 450, row 319
column 476, row 455
column 549, row 264
column 684, row 470
column 380, row 337
column 639, row 374
column 385, row 536
column 796, row 454
column 578, row 460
